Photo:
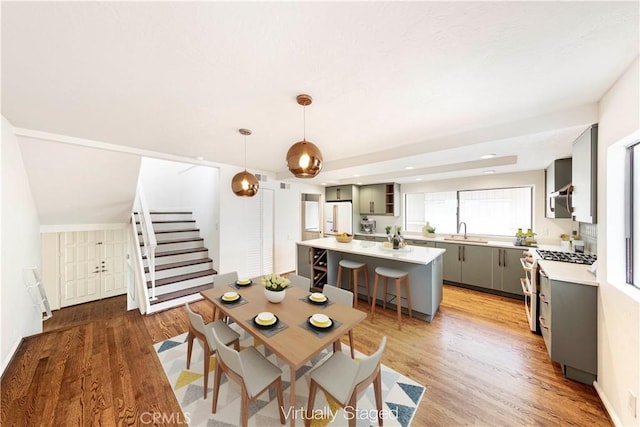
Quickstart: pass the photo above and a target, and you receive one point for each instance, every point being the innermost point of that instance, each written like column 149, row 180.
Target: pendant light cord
column 304, row 123
column 245, row 153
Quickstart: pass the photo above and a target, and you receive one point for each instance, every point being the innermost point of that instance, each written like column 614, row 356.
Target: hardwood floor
column 95, row 365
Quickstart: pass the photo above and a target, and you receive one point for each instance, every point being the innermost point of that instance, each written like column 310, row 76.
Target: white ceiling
column 432, row 85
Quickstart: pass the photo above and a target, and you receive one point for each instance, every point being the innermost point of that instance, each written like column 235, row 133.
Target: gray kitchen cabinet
column 557, row 176
column 370, row 238
column 507, row 270
column 372, row 199
column 584, row 176
column 339, row 193
column 313, row 264
column 466, row 264
column 451, row 262
column 305, row 256
column 419, row 242
column 568, row 321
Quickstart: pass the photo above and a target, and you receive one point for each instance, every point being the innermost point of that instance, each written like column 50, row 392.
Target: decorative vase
column 275, row 296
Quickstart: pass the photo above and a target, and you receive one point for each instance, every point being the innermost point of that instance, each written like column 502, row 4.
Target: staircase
column 183, row 266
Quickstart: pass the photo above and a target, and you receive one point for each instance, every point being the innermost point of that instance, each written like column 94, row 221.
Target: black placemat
column 317, row 332
column 236, row 303
column 236, row 286
column 269, row 332
column 319, row 305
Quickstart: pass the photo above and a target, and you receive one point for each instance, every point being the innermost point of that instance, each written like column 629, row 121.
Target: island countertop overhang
column 415, row 254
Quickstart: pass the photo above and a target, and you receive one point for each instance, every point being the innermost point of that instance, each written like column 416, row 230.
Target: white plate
column 265, row 318
column 320, row 320
column 317, row 297
column 230, row 296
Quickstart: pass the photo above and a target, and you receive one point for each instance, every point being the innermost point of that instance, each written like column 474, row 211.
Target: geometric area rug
column 400, row 395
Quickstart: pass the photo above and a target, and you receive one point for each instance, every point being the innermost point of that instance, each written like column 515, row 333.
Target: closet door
column 80, row 253
column 260, row 233
column 113, row 263
column 92, row 265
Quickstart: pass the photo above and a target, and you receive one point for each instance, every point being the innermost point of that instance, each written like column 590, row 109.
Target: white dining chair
column 197, row 330
column 300, row 281
column 344, row 297
column 343, row 379
column 225, row 279
column 249, row 368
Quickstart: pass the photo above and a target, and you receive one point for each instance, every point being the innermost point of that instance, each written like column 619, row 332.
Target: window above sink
column 494, row 212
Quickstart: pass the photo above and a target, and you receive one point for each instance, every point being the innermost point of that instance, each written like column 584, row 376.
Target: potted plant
column 428, row 230
column 275, row 287
column 387, row 229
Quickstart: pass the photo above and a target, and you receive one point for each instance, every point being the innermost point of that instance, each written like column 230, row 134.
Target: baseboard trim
column 7, row 361
column 607, row 405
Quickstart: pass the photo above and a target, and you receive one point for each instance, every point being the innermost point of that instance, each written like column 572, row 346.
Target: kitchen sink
column 458, row 238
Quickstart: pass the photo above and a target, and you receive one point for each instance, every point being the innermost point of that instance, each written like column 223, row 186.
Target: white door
column 92, row 265
column 113, row 263
column 80, row 259
column 260, row 233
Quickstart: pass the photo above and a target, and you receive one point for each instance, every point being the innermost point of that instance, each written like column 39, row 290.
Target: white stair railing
column 141, row 293
column 148, row 238
column 32, row 281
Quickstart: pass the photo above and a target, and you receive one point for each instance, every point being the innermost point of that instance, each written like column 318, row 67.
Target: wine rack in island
column 318, row 268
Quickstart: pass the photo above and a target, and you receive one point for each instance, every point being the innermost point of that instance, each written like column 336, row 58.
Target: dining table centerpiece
column 275, row 287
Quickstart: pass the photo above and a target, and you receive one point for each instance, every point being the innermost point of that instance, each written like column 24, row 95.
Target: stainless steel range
column 572, row 257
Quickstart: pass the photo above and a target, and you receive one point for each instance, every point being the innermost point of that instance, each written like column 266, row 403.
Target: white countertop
column 490, row 243
column 568, row 272
column 413, row 254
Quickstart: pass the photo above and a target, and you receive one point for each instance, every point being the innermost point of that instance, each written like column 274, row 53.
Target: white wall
column 173, row 185
column 287, row 227
column 20, row 248
column 548, row 230
column 618, row 303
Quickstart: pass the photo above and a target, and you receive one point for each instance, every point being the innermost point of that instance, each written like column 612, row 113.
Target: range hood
column 559, row 189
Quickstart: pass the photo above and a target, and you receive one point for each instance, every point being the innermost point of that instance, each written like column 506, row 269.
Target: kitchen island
column 318, row 260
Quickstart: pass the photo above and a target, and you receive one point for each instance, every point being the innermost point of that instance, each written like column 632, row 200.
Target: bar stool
column 355, row 267
column 399, row 276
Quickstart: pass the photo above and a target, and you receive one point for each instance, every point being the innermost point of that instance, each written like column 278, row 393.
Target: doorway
column 310, row 215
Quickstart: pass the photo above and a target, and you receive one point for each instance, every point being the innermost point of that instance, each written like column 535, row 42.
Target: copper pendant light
column 304, row 159
column 244, row 184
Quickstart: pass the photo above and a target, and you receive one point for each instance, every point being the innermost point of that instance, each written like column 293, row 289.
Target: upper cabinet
column 584, row 176
column 380, row 199
column 558, row 176
column 339, row 193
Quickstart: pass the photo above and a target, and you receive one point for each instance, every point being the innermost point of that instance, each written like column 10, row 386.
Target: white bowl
column 320, row 320
column 243, row 281
column 318, row 297
column 230, row 296
column 265, row 317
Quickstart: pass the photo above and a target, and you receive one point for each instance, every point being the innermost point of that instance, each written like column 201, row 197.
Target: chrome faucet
column 465, row 228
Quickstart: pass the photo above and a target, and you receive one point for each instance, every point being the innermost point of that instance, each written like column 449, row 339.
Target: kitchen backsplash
column 589, row 234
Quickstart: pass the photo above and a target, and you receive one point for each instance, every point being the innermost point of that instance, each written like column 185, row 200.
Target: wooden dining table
column 295, row 345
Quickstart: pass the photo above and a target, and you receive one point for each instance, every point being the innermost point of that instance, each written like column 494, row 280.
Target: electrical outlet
column 633, row 404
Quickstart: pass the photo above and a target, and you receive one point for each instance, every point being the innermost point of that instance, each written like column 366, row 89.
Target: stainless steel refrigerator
column 338, row 218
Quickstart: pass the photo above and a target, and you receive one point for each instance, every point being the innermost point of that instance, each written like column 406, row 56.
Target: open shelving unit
column 319, row 269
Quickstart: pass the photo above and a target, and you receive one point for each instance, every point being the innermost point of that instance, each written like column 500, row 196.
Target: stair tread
column 183, row 277
column 181, row 293
column 171, row 212
column 182, row 230
column 168, row 242
column 170, row 222
column 179, row 252
column 171, row 265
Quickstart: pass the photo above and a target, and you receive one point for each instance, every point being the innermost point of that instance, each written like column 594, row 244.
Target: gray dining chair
column 198, row 329
column 249, row 368
column 300, row 282
column 344, row 297
column 225, row 279
column 343, row 379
